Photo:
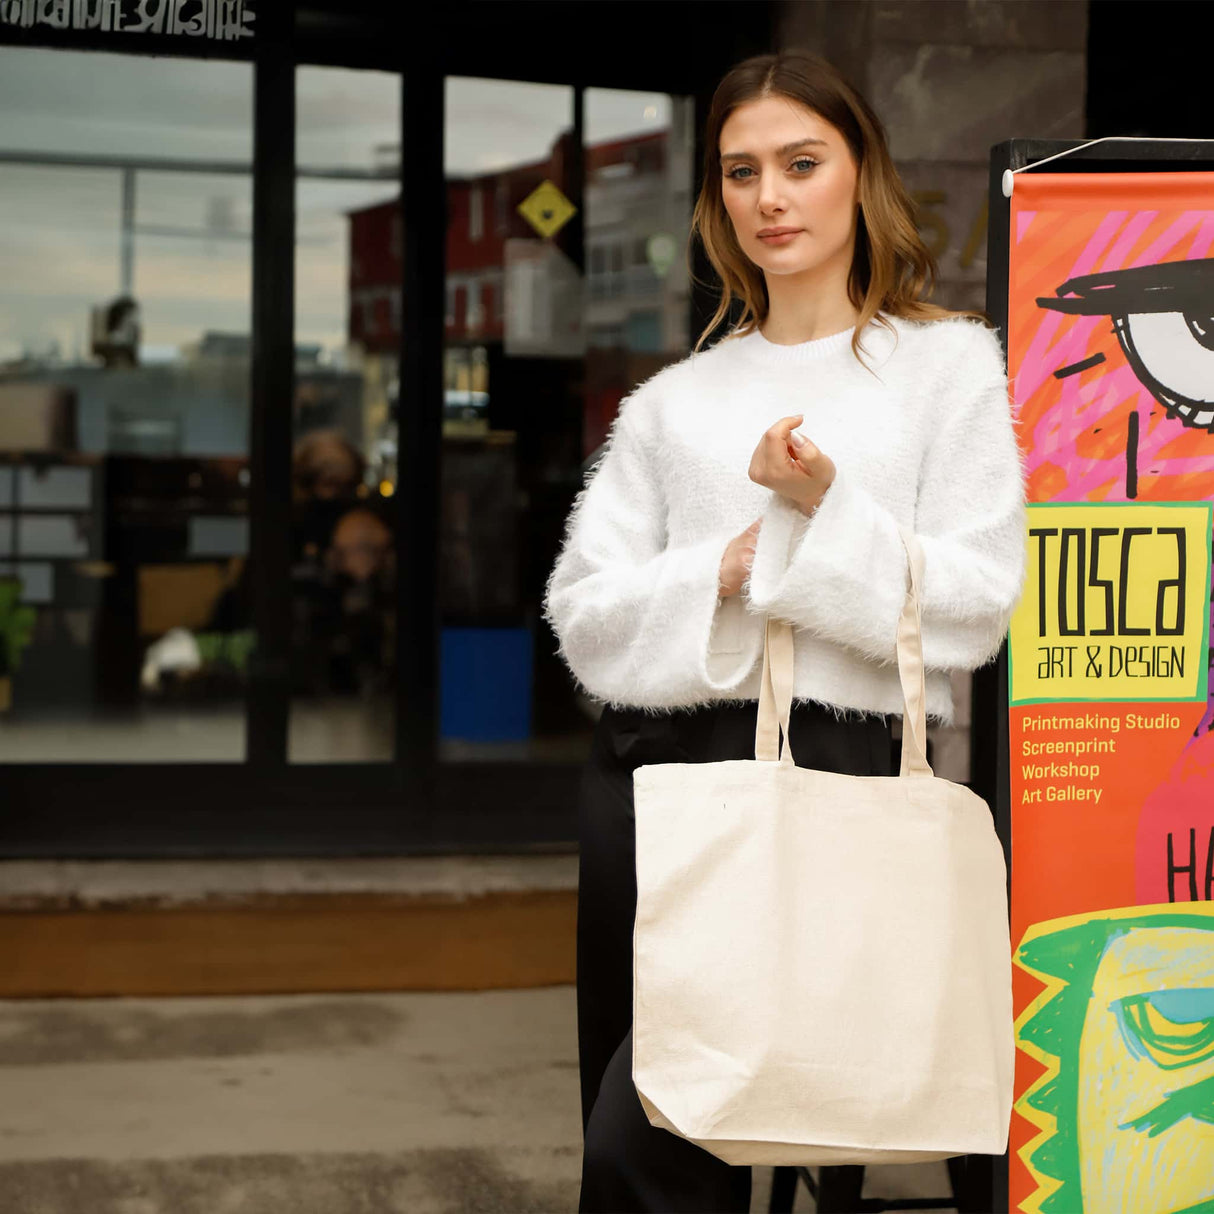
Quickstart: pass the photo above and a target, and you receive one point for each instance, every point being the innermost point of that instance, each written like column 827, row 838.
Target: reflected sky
column 60, row 252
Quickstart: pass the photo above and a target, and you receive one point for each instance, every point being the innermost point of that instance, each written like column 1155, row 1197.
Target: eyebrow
column 781, row 151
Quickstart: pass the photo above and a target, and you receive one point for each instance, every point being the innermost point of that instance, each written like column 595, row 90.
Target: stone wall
column 949, row 79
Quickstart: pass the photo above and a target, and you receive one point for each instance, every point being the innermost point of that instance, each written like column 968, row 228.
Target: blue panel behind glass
column 485, row 684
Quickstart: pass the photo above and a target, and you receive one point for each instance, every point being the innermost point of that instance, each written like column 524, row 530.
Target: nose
column 771, row 200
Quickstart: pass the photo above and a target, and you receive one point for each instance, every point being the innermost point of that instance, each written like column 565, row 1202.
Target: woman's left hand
column 800, row 473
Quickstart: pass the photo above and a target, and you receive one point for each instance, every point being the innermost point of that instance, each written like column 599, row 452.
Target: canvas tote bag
column 822, row 962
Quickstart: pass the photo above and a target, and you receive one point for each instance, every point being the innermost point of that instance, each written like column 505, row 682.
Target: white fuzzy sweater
column 928, row 440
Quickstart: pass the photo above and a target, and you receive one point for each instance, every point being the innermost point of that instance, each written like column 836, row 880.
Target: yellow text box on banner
column 1116, row 603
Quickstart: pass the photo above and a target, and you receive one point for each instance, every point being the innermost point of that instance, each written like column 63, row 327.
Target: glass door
column 343, row 459
column 567, row 284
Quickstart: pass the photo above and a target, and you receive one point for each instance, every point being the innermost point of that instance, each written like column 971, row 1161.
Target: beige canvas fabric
column 822, row 962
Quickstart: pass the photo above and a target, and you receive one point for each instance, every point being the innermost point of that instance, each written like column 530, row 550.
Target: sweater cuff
column 726, row 639
column 786, row 530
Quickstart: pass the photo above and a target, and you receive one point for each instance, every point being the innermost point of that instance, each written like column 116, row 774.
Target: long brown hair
column 892, row 270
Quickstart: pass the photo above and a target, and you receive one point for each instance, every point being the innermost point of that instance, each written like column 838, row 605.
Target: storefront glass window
column 347, row 334
column 125, row 274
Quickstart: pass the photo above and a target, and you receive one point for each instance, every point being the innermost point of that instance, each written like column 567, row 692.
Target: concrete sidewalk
column 422, row 1103
column 411, row 1103
column 90, row 884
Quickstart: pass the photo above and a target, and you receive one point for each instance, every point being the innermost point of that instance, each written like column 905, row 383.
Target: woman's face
column 767, row 183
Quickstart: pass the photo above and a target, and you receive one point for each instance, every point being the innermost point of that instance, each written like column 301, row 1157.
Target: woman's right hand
column 738, row 558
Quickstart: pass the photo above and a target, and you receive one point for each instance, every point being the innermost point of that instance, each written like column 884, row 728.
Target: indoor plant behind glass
column 16, row 628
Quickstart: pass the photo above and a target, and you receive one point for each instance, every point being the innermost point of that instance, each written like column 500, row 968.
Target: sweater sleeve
column 639, row 622
column 842, row 572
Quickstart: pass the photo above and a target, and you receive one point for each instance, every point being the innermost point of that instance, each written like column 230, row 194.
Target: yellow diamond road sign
column 546, row 209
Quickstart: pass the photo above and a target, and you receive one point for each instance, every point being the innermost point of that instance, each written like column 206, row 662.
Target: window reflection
column 538, row 355
column 343, row 574
column 344, row 458
column 124, row 367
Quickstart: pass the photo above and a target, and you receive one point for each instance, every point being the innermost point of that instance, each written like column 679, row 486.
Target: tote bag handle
column 775, row 695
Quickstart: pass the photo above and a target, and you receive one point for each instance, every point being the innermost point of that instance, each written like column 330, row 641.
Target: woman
column 659, row 595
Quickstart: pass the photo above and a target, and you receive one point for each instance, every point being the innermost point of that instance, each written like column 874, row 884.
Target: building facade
column 309, row 329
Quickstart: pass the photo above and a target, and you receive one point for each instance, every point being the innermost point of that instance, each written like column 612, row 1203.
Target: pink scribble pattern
column 1081, row 402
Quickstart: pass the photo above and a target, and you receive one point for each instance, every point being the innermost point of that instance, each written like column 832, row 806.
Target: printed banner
column 1111, row 365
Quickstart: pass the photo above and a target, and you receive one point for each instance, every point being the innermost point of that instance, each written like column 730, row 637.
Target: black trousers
column 629, row 1165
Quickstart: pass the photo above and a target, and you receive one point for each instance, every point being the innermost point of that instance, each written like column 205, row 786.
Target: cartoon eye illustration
column 1163, row 316
column 1173, row 1028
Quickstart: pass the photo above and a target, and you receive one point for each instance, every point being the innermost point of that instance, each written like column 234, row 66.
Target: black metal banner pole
column 989, row 758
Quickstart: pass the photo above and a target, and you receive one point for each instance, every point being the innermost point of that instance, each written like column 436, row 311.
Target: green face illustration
column 1126, row 1031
